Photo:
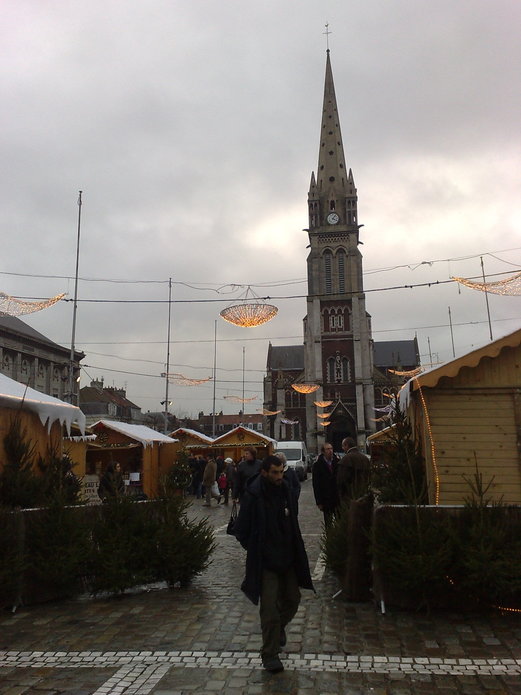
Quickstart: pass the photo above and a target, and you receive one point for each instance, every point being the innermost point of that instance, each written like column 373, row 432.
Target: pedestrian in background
column 325, row 486
column 111, row 484
column 353, row 473
column 230, row 469
column 276, row 560
column 210, row 484
column 247, row 468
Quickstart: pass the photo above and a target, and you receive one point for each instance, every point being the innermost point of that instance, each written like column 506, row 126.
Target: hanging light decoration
column 289, row 422
column 408, row 374
column 325, row 423
column 238, row 399
column 10, row 306
column 305, row 388
column 269, row 412
column 250, row 311
column 509, row 286
column 182, row 380
column 324, row 416
column 322, row 404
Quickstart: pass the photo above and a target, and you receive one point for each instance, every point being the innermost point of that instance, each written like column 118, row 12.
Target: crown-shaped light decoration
column 305, row 388
column 10, row 306
column 322, row 404
column 250, row 311
column 409, row 373
column 509, row 286
column 181, row 380
column 238, row 399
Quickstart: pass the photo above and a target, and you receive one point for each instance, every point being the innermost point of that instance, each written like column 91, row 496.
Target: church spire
column 333, row 190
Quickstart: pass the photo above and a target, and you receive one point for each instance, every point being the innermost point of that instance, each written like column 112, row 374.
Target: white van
column 296, row 456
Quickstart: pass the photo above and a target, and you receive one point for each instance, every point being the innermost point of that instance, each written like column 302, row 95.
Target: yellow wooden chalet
column 232, row 443
column 143, row 453
column 468, row 415
column 194, row 442
column 43, row 418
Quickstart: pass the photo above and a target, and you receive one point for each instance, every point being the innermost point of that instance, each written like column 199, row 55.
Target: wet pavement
column 206, row 639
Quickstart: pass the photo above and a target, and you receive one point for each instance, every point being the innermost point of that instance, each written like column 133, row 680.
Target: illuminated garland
column 408, row 374
column 507, row 287
column 269, row 412
column 305, row 388
column 433, row 448
column 251, row 311
column 238, row 399
column 325, row 423
column 323, row 415
column 182, row 380
column 289, row 422
column 9, row 306
column 322, row 404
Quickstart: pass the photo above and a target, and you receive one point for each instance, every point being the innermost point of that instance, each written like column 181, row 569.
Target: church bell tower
column 337, row 328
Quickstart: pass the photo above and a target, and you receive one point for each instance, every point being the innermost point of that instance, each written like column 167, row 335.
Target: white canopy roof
column 141, row 433
column 194, row 433
column 13, row 394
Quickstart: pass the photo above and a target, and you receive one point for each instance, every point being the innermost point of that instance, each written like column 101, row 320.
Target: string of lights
column 432, row 283
column 206, row 285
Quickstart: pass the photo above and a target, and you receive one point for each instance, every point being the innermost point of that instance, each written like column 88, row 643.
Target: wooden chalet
column 196, row 443
column 44, row 418
column 468, row 415
column 232, row 443
column 143, row 453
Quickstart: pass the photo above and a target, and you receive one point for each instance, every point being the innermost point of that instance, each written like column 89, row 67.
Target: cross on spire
column 327, row 32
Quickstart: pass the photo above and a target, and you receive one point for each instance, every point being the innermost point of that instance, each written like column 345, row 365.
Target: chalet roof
column 251, row 437
column 145, row 435
column 393, row 353
column 13, row 394
column 204, row 438
column 285, row 357
column 470, row 359
column 14, row 325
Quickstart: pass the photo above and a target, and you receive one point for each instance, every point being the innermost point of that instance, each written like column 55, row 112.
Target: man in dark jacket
column 276, row 561
column 324, row 482
column 247, row 468
column 353, row 475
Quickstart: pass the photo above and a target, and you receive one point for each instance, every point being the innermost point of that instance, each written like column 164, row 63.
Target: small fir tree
column 398, row 475
column 20, row 486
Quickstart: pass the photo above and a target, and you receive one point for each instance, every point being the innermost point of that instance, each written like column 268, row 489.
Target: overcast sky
column 192, row 128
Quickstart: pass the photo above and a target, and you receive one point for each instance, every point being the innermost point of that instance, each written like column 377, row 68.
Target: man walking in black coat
column 248, row 466
column 276, row 560
column 324, row 483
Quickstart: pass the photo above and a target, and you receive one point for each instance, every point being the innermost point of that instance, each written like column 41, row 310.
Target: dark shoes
column 273, row 664
column 283, row 639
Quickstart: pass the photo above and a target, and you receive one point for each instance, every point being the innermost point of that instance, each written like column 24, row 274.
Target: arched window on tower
column 330, row 370
column 328, row 258
column 341, row 264
column 346, row 370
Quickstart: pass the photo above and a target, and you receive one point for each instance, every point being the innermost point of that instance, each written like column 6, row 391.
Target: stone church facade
column 338, row 347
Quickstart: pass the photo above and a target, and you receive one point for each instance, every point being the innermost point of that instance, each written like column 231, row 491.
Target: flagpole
column 71, row 395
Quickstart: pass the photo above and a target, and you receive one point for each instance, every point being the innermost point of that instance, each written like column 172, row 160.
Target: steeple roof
column 331, row 173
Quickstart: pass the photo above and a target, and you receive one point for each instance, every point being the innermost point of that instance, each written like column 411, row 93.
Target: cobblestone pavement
column 206, row 639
